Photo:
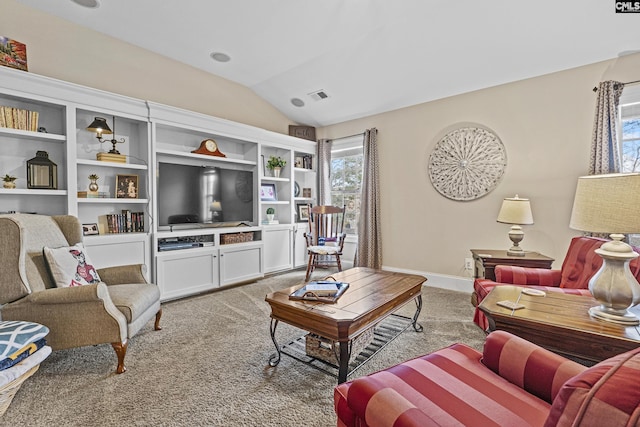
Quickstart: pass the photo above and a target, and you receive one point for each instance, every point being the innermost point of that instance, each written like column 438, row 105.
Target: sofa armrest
column 527, row 276
column 71, row 295
column 123, row 274
column 529, row 366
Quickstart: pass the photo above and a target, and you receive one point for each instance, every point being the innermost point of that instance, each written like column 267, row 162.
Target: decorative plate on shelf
column 467, row 163
column 296, row 190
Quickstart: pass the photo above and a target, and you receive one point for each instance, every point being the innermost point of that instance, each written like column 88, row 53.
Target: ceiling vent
column 318, row 95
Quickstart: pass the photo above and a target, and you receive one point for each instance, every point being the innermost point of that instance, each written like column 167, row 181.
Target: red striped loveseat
column 512, row 383
column 579, row 265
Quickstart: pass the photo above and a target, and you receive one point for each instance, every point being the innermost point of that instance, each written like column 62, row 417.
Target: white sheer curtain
column 369, row 251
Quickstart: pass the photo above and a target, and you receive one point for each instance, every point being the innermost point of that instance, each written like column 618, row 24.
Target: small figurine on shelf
column 276, row 164
column 93, row 185
column 9, row 181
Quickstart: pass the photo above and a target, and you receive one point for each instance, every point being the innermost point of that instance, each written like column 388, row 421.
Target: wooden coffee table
column 372, row 296
column 560, row 323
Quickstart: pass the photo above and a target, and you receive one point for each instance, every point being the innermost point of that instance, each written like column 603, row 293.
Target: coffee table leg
column 416, row 326
column 345, row 355
column 275, row 357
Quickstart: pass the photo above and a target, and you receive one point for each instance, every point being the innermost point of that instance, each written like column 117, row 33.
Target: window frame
column 348, row 147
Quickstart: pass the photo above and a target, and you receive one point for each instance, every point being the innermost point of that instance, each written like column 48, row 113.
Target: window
column 346, row 179
column 630, row 129
column 630, row 137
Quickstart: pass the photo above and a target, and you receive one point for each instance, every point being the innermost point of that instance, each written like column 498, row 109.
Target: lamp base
column 515, row 251
column 516, row 235
column 613, row 285
column 617, row 316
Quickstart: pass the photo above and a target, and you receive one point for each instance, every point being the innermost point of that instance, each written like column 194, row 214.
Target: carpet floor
column 208, row 366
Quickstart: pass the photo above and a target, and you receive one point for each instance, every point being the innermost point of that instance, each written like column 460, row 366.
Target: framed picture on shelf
column 90, row 229
column 303, row 212
column 126, row 186
column 268, row 192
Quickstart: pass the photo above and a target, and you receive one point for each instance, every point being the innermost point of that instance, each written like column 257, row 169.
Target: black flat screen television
column 200, row 196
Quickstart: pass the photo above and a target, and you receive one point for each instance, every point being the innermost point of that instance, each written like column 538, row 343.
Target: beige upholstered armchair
column 109, row 311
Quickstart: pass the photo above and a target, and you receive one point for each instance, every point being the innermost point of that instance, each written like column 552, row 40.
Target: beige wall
column 545, row 124
column 63, row 50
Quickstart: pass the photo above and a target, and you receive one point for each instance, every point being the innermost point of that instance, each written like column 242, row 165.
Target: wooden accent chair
column 111, row 311
column 325, row 237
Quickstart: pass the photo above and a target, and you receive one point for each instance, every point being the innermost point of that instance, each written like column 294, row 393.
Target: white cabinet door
column 300, row 256
column 186, row 272
column 109, row 251
column 240, row 263
column 278, row 249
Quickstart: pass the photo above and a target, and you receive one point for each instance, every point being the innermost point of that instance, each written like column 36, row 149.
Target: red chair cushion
column 527, row 276
column 448, row 387
column 581, row 262
column 606, row 394
column 531, row 367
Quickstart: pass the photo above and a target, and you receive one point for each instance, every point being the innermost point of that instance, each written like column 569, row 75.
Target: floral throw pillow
column 71, row 266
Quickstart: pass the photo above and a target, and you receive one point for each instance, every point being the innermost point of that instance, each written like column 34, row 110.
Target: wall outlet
column 468, row 263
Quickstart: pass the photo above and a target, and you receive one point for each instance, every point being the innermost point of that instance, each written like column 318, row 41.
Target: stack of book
column 320, row 290
column 92, row 195
column 110, row 157
column 17, row 118
column 125, row 222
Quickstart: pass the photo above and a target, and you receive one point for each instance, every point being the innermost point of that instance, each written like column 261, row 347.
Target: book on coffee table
column 320, row 290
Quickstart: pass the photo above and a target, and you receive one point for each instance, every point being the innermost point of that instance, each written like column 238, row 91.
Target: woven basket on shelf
column 10, row 389
column 230, row 238
column 327, row 350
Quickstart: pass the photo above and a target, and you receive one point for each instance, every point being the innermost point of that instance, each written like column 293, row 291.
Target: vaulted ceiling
column 366, row 56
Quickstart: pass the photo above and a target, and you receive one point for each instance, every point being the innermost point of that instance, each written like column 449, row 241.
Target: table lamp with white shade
column 611, row 204
column 517, row 212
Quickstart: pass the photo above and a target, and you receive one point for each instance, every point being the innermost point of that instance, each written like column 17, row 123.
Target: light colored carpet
column 208, row 367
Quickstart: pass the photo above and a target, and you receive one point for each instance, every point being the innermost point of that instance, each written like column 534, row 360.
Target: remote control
column 510, row 304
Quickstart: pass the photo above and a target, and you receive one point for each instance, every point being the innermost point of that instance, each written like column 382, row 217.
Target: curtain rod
column 348, row 136
column 615, row 86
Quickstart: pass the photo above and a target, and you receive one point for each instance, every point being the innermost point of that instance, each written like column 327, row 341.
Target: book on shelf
column 272, row 222
column 125, row 222
column 109, row 157
column 18, row 118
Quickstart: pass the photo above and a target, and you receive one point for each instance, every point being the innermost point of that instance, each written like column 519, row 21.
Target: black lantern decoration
column 42, row 172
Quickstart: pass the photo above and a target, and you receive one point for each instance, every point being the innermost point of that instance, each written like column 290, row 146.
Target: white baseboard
column 444, row 281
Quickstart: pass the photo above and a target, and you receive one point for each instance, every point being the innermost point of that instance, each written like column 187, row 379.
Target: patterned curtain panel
column 324, row 172
column 605, row 155
column 369, row 251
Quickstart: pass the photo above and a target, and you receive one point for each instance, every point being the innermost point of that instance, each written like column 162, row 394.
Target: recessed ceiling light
column 220, row 57
column 93, row 4
column 297, row 102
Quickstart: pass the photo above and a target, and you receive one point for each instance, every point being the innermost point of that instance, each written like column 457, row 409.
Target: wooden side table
column 485, row 261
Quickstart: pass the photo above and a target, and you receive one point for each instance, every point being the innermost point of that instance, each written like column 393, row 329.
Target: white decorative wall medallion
column 467, row 163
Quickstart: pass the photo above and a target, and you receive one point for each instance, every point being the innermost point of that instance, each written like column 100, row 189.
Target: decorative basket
column 9, row 390
column 230, row 238
column 327, row 350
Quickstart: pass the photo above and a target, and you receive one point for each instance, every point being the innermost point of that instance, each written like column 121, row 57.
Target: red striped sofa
column 511, row 383
column 579, row 265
